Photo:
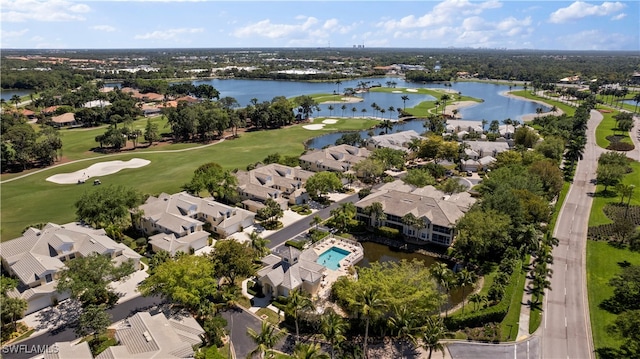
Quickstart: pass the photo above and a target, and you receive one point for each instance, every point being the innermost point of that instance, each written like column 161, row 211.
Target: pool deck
column 356, row 255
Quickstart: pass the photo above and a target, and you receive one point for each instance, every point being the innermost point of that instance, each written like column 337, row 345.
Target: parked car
column 469, row 173
column 96, row 182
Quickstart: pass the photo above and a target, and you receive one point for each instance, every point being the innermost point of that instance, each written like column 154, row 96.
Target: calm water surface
column 374, row 252
column 7, row 94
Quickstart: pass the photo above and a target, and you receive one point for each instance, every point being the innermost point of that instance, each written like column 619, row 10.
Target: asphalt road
column 566, row 326
column 28, row 348
column 529, row 349
column 278, row 238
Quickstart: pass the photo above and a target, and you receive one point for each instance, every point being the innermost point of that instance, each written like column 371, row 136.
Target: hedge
column 388, row 232
column 491, row 314
column 295, row 244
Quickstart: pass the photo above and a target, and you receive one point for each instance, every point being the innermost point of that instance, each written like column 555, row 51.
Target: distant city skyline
column 140, row 24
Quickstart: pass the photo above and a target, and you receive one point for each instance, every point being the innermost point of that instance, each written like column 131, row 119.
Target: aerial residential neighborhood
column 452, row 178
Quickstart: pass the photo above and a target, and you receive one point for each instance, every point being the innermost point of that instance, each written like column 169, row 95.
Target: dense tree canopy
column 220, row 183
column 107, row 205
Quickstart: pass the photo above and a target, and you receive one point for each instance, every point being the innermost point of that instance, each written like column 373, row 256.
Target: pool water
column 331, row 257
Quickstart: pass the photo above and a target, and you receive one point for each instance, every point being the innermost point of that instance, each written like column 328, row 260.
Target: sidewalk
column 525, row 311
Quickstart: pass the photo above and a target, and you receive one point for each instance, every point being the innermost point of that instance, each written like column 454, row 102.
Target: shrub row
column 388, row 232
column 295, row 244
column 491, row 314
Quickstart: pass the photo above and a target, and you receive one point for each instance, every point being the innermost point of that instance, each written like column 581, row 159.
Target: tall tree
column 431, row 335
column 403, row 323
column 370, row 305
column 376, row 214
column 220, row 183
column 297, row 303
column 404, row 98
column 93, row 320
column 265, row 340
column 232, row 259
column 88, row 279
column 333, row 328
column 322, row 183
column 106, row 205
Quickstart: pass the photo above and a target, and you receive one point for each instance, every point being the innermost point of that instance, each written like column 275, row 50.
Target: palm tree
column 444, row 277
column 258, row 244
column 376, row 213
column 465, row 279
column 298, row 302
column 343, row 108
column 386, row 125
column 636, row 98
column 403, row 323
column 354, row 110
column 404, row 98
column 370, row 305
column 316, row 221
column 484, row 123
column 309, row 351
column 494, row 126
column 391, row 110
column 624, row 191
column 332, row 328
column 268, row 337
column 374, row 106
column 444, row 98
column 414, row 222
column 364, row 110
column 575, row 150
column 475, row 298
column 338, row 82
column 15, row 99
column 382, row 112
column 330, row 109
column 431, row 335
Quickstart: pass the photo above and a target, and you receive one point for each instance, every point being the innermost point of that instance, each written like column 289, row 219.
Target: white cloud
column 443, row 13
column 169, row 34
column 105, row 28
column 579, row 10
column 597, row 40
column 42, row 10
column 305, row 30
column 12, row 34
column 620, row 16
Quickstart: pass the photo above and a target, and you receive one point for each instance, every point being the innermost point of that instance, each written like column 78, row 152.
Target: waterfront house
column 437, row 210
column 396, row 141
column 37, row 257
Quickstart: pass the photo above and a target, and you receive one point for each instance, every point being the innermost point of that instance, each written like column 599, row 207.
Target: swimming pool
column 331, row 257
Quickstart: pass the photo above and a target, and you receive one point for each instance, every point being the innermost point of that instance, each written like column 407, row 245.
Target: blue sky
column 557, row 25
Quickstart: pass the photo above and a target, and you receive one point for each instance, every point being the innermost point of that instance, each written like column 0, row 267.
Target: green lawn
column 602, row 265
column 597, row 216
column 271, row 317
column 560, row 105
column 509, row 325
column 607, row 128
column 32, row 200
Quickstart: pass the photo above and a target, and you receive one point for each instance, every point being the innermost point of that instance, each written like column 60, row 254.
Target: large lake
column 495, row 105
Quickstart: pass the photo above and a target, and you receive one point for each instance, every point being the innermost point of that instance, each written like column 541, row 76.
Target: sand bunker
column 396, row 91
column 412, row 90
column 97, row 169
column 330, row 121
column 313, row 127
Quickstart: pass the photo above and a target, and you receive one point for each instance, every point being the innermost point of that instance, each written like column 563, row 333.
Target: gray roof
column 271, row 180
column 488, row 146
column 291, row 267
column 173, row 211
column 339, row 158
column 37, row 252
column 170, row 243
column 396, row 140
column 145, row 336
column 67, row 350
column 400, row 199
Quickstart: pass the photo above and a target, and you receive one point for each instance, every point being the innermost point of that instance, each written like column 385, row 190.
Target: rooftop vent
column 147, row 336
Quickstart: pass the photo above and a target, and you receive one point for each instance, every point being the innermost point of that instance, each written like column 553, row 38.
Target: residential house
column 457, row 126
column 96, row 103
column 66, row 119
column 396, row 141
column 177, row 222
column 66, row 350
column 283, row 184
column 480, row 155
column 155, row 336
column 287, row 269
column 36, row 258
column 437, row 210
column 337, row 158
column 150, row 110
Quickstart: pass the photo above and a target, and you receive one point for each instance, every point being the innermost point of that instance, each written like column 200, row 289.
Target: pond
column 7, row 94
column 374, row 252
